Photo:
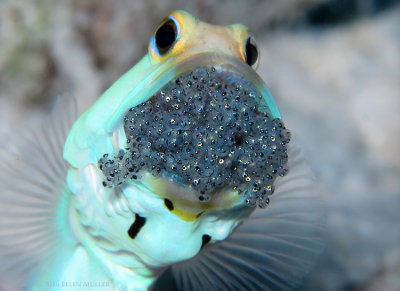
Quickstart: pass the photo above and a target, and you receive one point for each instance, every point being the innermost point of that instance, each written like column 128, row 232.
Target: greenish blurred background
column 332, row 65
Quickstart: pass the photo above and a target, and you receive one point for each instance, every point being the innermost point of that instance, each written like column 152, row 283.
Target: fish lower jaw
column 122, row 269
column 99, row 218
column 130, row 233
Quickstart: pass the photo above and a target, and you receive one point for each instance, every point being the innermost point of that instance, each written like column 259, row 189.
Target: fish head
column 180, row 37
column 179, row 150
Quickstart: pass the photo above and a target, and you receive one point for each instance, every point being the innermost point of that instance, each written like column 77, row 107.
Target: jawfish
column 181, row 176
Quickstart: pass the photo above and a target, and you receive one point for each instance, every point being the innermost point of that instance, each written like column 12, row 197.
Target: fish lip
column 188, row 208
column 171, row 189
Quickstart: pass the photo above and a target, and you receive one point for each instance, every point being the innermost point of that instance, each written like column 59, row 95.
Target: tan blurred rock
column 113, row 36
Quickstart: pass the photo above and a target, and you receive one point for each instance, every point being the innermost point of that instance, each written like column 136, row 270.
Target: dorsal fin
column 32, row 179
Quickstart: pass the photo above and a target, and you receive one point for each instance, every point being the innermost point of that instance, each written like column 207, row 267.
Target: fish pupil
column 251, row 52
column 165, row 36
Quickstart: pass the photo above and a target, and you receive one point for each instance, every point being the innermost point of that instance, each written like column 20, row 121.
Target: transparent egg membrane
column 208, row 129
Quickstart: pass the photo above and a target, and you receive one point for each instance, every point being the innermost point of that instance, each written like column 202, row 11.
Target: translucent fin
column 32, row 179
column 273, row 249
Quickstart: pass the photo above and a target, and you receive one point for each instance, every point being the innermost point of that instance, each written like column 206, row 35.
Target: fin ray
column 274, row 248
column 32, row 176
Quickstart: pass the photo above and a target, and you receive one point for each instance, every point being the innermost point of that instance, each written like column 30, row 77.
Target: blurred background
column 332, row 65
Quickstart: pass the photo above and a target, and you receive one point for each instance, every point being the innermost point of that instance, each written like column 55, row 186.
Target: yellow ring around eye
column 153, row 44
column 184, row 22
column 240, row 34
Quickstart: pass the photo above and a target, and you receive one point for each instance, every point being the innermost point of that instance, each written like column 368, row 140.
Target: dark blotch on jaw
column 136, row 226
column 205, row 240
column 169, row 204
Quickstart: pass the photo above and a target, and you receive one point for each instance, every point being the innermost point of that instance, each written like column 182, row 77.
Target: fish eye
column 166, row 36
column 251, row 51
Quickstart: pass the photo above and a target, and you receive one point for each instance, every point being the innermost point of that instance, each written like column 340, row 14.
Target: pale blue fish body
column 81, row 224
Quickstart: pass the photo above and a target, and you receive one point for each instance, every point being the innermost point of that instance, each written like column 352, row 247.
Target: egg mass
column 208, row 129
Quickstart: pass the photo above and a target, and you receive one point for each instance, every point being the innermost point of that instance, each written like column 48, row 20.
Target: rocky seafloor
column 333, row 67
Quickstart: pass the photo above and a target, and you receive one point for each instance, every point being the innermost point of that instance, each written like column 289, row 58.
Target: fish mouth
column 211, row 132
